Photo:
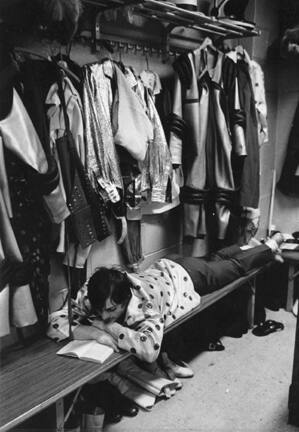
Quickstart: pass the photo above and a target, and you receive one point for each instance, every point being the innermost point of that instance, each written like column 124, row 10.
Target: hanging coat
column 209, row 95
column 18, row 299
column 250, row 177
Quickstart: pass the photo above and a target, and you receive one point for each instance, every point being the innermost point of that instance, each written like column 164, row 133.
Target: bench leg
column 59, row 415
column 251, row 303
column 290, row 293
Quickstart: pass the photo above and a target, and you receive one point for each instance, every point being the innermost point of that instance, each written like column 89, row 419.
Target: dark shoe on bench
column 267, row 327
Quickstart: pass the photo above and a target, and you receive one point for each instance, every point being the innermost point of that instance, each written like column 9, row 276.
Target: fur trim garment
column 61, row 17
column 289, row 46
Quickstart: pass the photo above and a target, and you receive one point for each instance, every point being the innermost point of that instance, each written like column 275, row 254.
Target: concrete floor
column 241, row 389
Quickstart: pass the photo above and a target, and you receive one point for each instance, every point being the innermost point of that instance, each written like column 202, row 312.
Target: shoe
column 267, row 327
column 112, row 417
column 126, row 407
column 215, row 346
column 164, row 372
column 179, row 368
column 274, row 243
column 278, row 237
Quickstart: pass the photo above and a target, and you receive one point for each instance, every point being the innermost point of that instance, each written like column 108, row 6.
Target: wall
column 266, row 17
column 286, row 210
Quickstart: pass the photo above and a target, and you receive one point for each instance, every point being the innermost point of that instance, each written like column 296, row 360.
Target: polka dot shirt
column 161, row 294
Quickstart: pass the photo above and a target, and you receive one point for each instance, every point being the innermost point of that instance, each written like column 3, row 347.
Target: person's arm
column 86, row 332
column 145, row 341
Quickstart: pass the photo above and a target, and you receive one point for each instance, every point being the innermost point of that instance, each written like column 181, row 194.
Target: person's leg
column 224, row 267
column 208, row 275
column 224, row 253
column 254, row 257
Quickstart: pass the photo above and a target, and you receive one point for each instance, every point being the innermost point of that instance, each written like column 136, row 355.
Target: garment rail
column 138, row 48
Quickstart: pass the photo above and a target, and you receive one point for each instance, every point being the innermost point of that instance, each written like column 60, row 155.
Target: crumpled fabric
column 157, row 385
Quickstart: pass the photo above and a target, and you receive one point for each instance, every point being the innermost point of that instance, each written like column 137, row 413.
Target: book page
column 97, row 352
column 89, row 350
column 75, row 347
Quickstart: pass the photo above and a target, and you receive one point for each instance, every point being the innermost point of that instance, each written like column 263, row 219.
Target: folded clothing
column 156, row 385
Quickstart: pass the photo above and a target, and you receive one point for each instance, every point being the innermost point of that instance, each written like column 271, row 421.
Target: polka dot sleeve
column 144, row 341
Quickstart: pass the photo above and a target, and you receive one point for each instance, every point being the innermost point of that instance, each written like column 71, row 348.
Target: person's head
column 109, row 291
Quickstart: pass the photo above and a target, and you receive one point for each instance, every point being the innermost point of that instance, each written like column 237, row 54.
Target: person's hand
column 106, row 339
column 99, row 324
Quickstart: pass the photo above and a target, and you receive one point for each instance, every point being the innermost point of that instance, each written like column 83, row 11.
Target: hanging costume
column 250, row 176
column 24, row 159
column 209, row 110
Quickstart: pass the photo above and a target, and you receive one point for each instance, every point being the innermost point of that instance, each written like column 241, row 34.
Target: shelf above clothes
column 174, row 16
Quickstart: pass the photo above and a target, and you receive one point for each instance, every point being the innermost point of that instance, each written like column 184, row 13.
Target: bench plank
column 35, row 377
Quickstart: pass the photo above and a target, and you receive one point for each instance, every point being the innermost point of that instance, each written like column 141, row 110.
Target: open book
column 89, row 350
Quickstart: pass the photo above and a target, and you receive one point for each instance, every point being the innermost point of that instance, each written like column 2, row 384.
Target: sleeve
column 260, row 103
column 176, row 124
column 236, row 114
column 145, row 340
column 58, row 328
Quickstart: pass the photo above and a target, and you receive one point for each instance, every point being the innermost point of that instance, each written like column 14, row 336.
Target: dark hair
column 105, row 283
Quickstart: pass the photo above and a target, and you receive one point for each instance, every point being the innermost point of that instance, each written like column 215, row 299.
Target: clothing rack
column 166, row 12
column 138, row 48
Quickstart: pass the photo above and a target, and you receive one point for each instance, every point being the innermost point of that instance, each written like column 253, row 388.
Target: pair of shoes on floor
column 123, row 407
column 267, row 327
column 179, row 368
column 105, row 395
column 127, row 409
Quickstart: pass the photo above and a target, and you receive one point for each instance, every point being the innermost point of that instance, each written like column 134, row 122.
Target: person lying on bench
column 130, row 311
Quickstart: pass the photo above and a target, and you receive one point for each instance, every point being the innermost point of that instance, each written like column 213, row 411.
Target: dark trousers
column 211, row 272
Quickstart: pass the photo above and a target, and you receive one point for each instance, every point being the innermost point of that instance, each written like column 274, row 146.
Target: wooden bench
column 35, row 377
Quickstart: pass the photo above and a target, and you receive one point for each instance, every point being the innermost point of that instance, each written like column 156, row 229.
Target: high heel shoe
column 178, row 367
